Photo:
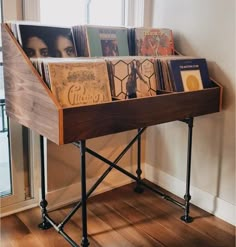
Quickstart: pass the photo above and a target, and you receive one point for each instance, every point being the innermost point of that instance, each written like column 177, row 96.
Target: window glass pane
column 75, row 12
column 5, row 174
column 58, row 12
column 1, row 73
column 106, row 12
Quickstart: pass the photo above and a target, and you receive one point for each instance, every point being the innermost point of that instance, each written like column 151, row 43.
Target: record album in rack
column 153, row 41
column 189, row 74
column 76, row 82
column 133, row 62
column 182, row 73
column 38, row 40
column 94, row 40
column 132, row 77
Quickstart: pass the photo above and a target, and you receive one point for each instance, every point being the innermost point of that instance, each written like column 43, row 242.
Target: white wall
column 204, row 28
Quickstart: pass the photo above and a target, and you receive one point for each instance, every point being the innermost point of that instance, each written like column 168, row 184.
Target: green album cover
column 107, row 41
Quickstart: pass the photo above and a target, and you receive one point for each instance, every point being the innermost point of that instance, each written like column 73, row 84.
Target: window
column 69, row 12
column 106, row 12
column 16, row 189
column 5, row 171
column 63, row 12
column 97, row 12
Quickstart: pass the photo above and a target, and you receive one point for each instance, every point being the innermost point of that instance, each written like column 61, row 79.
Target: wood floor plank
column 73, row 227
column 202, row 224
column 121, row 218
column 149, row 226
column 48, row 238
column 101, row 232
column 122, row 226
column 205, row 223
column 15, row 233
column 167, row 220
column 13, row 227
column 28, row 240
column 199, row 213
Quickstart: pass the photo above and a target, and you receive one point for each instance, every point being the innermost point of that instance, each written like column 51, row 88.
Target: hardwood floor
column 122, row 218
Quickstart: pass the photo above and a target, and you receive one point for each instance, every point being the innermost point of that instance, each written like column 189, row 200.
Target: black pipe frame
column 48, row 222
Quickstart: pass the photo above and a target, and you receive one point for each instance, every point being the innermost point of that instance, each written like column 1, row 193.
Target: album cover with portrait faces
column 40, row 41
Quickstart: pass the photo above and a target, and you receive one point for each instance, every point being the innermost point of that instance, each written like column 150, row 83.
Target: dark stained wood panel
column 102, row 119
column 28, row 100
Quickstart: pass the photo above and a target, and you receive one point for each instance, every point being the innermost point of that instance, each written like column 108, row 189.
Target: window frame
column 18, row 200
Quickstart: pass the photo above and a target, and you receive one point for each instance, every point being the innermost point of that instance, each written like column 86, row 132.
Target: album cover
column 107, row 41
column 153, row 42
column 38, row 40
column 190, row 74
column 132, row 77
column 80, row 83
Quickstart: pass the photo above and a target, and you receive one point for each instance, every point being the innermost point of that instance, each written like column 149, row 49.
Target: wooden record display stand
column 31, row 103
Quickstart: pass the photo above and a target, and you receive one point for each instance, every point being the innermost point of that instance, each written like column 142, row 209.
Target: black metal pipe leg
column 43, row 204
column 138, row 188
column 102, row 177
column 187, row 196
column 84, row 242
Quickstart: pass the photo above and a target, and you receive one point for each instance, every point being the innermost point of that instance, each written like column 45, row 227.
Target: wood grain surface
column 102, row 119
column 122, row 218
column 28, row 100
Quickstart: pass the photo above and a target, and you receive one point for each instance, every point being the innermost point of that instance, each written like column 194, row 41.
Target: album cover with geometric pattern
column 132, row 77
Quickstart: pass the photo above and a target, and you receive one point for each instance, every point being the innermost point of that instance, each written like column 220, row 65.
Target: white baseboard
column 18, row 207
column 202, row 199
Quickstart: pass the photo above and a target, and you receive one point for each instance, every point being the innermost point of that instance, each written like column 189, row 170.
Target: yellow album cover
column 189, row 74
column 191, row 80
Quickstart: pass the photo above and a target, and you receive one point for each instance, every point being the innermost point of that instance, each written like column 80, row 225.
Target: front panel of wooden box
column 97, row 120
